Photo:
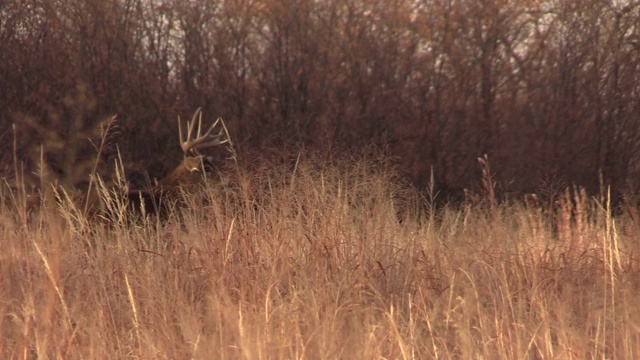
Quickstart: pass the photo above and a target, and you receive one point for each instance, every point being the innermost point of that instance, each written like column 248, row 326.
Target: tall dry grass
column 323, row 262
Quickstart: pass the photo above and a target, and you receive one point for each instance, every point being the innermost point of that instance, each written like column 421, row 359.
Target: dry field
column 323, row 262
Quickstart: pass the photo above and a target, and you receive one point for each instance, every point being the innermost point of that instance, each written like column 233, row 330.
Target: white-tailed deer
column 159, row 198
column 188, row 176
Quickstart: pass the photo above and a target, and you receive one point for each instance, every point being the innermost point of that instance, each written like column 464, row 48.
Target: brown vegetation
column 547, row 89
column 318, row 263
column 475, row 102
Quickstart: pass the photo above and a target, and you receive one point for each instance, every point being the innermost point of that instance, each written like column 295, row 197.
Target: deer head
column 189, row 174
column 195, row 165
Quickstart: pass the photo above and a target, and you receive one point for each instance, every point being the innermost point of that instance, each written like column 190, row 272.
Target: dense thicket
column 550, row 90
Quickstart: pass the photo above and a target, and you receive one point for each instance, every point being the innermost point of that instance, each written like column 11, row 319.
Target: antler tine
column 214, row 139
column 201, row 141
column 199, row 114
column 186, row 143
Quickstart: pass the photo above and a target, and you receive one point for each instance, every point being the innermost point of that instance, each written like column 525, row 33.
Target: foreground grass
column 323, row 263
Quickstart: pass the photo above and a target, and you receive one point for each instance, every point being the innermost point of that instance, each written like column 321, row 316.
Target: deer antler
column 193, row 146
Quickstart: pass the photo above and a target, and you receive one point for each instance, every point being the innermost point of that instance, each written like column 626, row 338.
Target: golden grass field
column 323, row 262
